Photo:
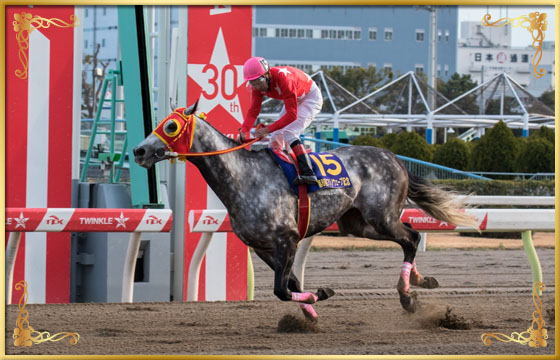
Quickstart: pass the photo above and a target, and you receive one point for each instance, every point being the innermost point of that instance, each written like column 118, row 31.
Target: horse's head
column 172, row 136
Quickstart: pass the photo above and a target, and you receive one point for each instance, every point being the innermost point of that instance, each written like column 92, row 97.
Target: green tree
column 537, row 155
column 455, row 154
column 359, row 81
column 366, row 140
column 412, row 145
column 458, row 85
column 545, row 133
column 388, row 140
column 547, row 98
column 496, row 151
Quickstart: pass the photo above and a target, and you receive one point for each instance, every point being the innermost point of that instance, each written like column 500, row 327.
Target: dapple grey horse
column 263, row 209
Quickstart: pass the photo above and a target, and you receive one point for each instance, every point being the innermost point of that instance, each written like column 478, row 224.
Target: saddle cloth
column 328, row 168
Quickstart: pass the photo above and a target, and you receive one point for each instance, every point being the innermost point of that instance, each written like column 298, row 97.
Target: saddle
column 328, row 169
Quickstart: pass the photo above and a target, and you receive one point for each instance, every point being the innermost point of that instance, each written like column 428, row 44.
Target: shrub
column 455, row 154
column 366, row 140
column 537, row 155
column 388, row 140
column 496, row 151
column 545, row 133
column 412, row 145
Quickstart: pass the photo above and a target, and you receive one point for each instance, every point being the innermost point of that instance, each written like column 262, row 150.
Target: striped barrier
column 209, row 222
column 134, row 221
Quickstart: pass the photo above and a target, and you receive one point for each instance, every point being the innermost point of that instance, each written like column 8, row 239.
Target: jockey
column 302, row 102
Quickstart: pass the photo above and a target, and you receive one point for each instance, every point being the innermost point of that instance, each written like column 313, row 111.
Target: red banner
column 39, row 80
column 219, row 42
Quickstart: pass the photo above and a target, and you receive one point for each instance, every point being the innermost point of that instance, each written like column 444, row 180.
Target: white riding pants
column 308, row 107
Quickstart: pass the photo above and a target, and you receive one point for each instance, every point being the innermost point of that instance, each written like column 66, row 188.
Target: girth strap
column 304, row 209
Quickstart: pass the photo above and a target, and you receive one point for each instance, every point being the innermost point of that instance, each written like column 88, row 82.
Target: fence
column 134, row 221
column 489, row 220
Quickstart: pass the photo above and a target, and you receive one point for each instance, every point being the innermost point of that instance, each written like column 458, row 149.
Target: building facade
column 395, row 38
column 484, row 52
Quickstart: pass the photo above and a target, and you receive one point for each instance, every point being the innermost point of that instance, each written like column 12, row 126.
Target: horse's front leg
column 283, row 261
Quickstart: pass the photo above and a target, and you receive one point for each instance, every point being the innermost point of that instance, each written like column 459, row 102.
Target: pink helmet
column 254, row 68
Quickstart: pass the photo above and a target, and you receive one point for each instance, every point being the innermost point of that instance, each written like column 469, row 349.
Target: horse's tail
column 439, row 202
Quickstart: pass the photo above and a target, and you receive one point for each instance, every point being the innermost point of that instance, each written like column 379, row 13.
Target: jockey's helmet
column 254, row 68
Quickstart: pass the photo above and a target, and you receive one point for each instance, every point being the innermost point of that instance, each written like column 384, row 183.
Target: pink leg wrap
column 309, row 311
column 306, row 297
column 405, row 275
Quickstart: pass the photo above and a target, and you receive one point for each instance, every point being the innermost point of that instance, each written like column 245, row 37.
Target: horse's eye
column 171, row 128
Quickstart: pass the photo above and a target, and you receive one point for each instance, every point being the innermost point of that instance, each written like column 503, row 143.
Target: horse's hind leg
column 379, row 226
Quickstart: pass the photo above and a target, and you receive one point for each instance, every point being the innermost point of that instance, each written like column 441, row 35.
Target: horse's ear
column 192, row 109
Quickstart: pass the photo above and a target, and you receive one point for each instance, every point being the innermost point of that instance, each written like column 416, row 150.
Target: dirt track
column 488, row 290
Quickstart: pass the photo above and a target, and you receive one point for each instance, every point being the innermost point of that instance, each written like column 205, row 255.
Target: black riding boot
column 307, row 176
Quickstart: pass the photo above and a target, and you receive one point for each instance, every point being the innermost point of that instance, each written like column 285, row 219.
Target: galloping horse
column 263, row 209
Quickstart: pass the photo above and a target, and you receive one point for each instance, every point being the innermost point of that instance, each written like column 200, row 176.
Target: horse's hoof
column 409, row 302
column 324, row 293
column 430, row 283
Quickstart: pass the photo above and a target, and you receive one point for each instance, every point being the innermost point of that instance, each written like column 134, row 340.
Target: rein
column 187, row 129
column 209, row 153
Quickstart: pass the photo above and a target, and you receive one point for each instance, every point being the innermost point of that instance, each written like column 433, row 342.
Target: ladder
column 107, row 160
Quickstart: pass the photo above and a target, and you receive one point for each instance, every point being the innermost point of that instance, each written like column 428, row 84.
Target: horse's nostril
column 139, row 151
column 160, row 153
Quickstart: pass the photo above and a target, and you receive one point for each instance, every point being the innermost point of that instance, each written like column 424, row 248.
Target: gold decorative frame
column 24, row 24
column 534, row 23
column 24, row 335
column 535, row 336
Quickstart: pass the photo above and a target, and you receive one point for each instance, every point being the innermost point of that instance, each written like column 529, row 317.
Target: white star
column 21, row 221
column 217, row 81
column 443, row 223
column 121, row 221
column 284, row 71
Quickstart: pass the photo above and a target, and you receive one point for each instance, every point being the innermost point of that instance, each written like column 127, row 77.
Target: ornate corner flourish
column 535, row 23
column 24, row 24
column 535, row 336
column 24, row 335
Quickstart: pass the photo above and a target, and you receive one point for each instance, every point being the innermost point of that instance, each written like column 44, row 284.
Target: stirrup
column 306, row 179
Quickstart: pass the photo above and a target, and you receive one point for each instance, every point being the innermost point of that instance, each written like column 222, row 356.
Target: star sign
column 284, row 71
column 219, row 80
column 121, row 221
column 443, row 223
column 21, row 221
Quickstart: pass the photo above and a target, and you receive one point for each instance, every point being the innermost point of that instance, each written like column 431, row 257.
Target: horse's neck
column 224, row 173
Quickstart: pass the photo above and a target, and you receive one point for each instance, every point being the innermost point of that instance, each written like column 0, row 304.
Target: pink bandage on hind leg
column 405, row 275
column 306, row 297
column 309, row 310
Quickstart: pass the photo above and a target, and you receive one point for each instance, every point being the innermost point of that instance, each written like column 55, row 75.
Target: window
column 524, row 58
column 86, row 13
column 255, row 32
column 324, row 34
column 102, row 42
column 293, row 33
column 263, row 32
column 357, row 34
column 85, row 44
column 104, row 11
column 300, row 33
column 419, row 68
column 388, row 34
column 419, row 35
column 372, row 34
column 447, row 35
column 309, row 33
column 439, row 70
column 477, row 57
column 513, row 58
column 283, row 32
column 439, row 35
column 446, row 68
